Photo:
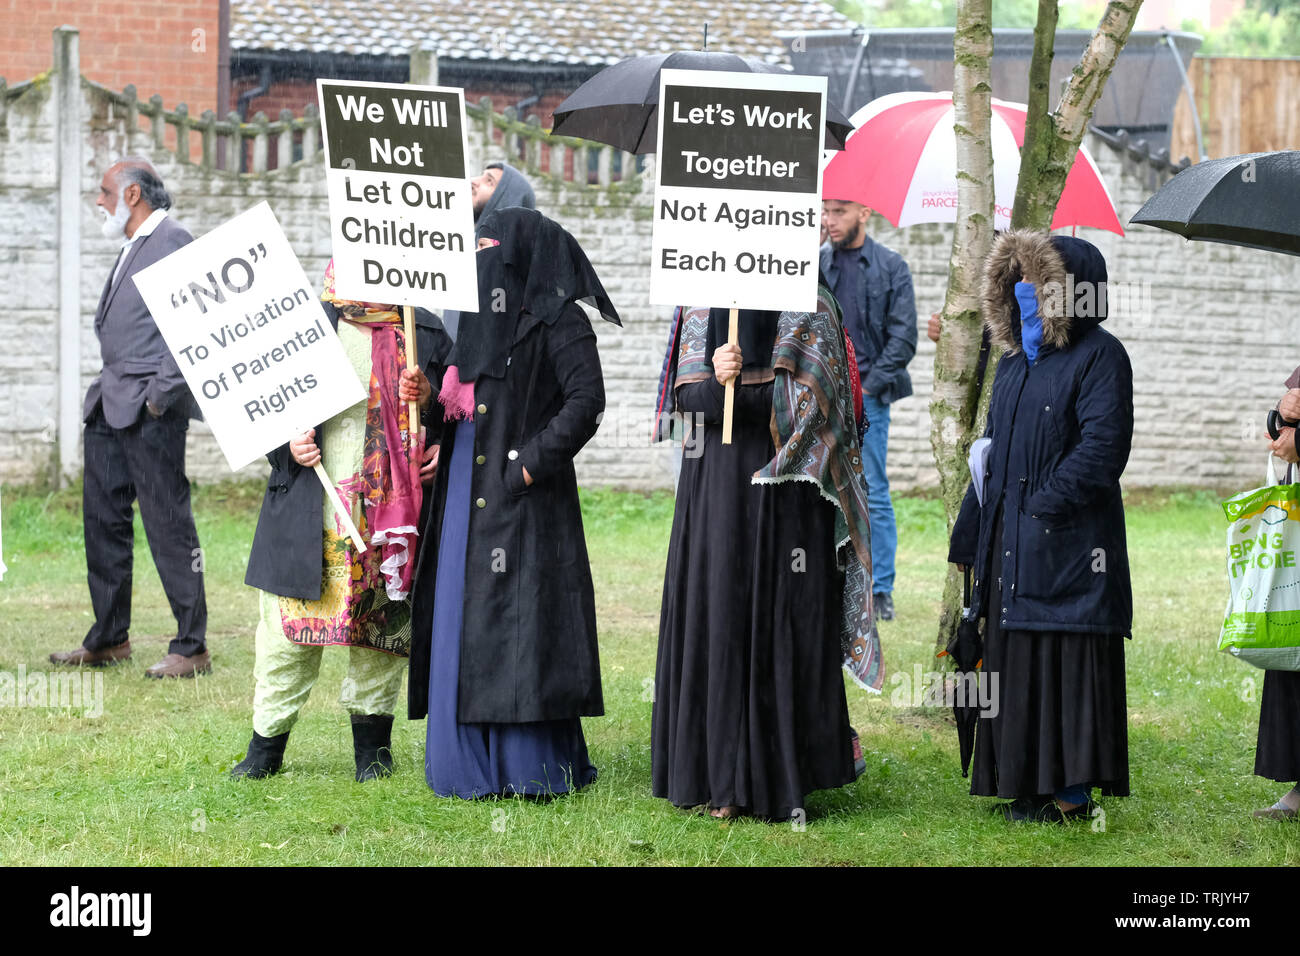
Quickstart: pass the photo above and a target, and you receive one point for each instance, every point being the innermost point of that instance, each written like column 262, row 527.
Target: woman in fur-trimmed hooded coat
column 1048, row 546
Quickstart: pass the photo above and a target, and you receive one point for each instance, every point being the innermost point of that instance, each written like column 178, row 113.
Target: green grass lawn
column 145, row 782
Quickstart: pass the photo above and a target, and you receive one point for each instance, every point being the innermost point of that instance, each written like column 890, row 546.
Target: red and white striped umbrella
column 901, row 161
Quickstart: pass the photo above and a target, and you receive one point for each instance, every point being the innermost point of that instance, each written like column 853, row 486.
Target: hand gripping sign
column 738, row 193
column 256, row 348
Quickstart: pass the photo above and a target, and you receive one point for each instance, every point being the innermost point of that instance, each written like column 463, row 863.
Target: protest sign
column 401, row 218
column 738, row 194
column 738, row 190
column 251, row 337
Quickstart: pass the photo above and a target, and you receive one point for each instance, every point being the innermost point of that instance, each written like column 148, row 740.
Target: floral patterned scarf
column 390, row 472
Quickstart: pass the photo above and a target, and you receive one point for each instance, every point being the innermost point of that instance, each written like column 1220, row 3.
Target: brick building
column 263, row 56
column 529, row 54
column 176, row 48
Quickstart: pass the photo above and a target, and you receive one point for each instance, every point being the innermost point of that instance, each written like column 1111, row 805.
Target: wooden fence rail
column 1247, row 105
column 260, row 145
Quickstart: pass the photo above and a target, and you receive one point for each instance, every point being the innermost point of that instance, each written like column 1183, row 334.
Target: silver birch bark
column 956, row 390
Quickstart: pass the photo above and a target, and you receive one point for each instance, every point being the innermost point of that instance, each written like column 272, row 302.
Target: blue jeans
column 884, row 533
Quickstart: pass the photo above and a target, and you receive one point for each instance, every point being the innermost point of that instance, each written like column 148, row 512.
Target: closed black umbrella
column 1250, row 200
column 620, row 104
column 966, row 649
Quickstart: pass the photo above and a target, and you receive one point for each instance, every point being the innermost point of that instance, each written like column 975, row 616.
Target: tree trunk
column 1052, row 139
column 956, row 394
column 1038, row 120
column 959, row 406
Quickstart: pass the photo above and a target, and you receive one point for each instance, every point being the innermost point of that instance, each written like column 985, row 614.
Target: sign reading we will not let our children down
column 738, row 190
column 250, row 336
column 401, row 217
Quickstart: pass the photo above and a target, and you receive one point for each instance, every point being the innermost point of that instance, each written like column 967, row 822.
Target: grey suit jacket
column 137, row 363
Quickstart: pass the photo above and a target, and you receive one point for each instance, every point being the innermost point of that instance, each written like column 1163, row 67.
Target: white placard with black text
column 250, row 335
column 401, row 219
column 738, row 190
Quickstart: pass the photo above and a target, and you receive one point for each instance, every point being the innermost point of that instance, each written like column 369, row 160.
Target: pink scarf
column 391, row 471
column 457, row 397
column 389, row 480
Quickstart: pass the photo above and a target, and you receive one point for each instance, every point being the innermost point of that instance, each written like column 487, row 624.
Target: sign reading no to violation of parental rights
column 400, row 215
column 250, row 336
column 738, row 193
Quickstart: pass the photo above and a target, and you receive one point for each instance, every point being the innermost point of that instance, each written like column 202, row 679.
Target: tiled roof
column 578, row 32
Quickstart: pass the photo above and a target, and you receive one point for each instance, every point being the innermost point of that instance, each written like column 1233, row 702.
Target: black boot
column 265, row 754
column 372, row 745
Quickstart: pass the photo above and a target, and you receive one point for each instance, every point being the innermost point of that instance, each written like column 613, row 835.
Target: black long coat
column 528, row 642
column 288, row 553
column 1061, row 432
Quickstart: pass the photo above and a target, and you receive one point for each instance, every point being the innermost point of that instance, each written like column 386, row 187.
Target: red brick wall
column 150, row 43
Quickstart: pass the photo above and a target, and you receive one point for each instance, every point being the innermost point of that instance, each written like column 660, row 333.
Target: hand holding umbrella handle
column 1276, row 423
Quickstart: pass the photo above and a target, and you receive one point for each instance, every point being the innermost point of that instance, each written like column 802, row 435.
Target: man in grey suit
column 136, row 415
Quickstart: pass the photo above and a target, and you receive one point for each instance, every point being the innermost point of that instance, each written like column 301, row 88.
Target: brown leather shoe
column 82, row 657
column 174, row 665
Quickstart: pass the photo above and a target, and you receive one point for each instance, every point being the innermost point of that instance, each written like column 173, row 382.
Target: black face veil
column 537, row 268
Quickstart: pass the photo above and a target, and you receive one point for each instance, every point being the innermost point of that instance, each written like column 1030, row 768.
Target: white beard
column 114, row 226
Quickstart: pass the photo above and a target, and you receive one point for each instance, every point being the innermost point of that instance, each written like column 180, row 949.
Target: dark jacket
column 288, row 553
column 528, row 642
column 137, row 363
column 1061, row 432
column 890, row 325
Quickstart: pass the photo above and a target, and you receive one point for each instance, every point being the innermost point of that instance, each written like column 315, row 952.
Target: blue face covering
column 1031, row 323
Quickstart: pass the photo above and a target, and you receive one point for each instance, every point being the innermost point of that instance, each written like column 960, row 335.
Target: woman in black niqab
column 750, row 714
column 504, row 658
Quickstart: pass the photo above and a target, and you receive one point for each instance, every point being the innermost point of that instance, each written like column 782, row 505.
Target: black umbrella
column 620, row 104
column 1250, row 200
column 966, row 648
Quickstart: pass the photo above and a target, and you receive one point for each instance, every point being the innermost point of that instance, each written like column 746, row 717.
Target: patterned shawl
column 817, row 440
column 687, row 361
column 817, row 429
column 391, row 492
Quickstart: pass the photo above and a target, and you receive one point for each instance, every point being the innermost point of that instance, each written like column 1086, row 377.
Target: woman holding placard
column 504, row 660
column 317, row 589
column 760, row 606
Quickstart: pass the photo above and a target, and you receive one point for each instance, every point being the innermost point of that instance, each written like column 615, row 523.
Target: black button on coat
column 528, row 642
column 1061, row 431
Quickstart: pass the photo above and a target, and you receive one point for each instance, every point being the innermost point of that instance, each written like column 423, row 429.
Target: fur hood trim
column 1022, row 255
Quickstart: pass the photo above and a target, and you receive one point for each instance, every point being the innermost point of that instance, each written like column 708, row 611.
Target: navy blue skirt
column 478, row 760
column 1062, row 717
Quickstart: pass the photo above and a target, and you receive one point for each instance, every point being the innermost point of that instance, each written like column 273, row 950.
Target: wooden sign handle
column 344, row 515
column 729, row 399
column 408, row 328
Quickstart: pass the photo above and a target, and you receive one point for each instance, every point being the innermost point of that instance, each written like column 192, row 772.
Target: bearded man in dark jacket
column 1048, row 546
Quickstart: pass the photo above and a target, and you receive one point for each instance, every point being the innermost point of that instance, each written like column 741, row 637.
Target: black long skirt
column 1061, row 717
column 1277, row 755
column 749, row 704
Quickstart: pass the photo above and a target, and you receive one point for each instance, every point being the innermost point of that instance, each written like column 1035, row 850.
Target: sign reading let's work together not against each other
column 401, row 218
column 738, row 190
column 250, row 336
